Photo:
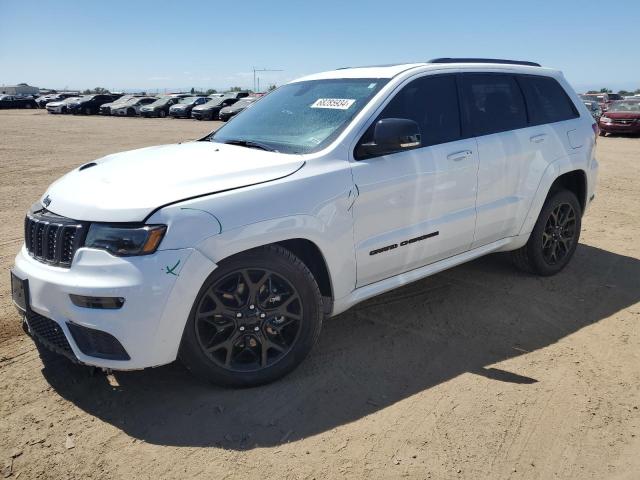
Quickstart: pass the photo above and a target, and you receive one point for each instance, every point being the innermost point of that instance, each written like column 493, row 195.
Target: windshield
column 161, row 101
column 124, row 99
column 245, row 102
column 188, row 100
column 624, row 107
column 213, row 102
column 301, row 117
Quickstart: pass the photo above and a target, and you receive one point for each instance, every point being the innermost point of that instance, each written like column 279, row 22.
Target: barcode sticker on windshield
column 335, row 103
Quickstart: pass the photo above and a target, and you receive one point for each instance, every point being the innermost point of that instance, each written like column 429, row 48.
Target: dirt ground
column 478, row 372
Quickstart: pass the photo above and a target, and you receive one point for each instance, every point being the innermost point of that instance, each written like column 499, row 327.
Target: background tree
column 193, row 90
column 272, row 87
column 606, row 90
column 211, row 91
column 235, row 89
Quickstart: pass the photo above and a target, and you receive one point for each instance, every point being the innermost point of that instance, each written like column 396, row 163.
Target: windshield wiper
column 250, row 144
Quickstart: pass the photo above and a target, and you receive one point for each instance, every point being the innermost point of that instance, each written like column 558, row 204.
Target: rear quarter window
column 547, row 102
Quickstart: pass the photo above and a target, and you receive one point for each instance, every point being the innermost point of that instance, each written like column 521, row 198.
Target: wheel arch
column 566, row 173
column 575, row 181
column 311, row 255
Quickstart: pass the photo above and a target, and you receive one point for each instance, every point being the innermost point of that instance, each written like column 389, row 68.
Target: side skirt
column 363, row 293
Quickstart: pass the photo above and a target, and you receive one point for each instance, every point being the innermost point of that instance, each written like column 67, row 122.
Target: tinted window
column 432, row 102
column 492, row 103
column 547, row 101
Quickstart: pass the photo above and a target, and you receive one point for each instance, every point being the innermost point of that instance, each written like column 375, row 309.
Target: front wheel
column 87, row 111
column 162, row 114
column 555, row 236
column 254, row 320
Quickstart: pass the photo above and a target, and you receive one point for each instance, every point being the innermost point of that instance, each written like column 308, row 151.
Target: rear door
column 494, row 112
column 416, row 207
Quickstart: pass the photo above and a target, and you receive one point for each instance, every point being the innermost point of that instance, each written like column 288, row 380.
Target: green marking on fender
column 171, row 271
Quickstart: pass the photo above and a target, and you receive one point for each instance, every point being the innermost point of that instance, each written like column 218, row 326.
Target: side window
column 492, row 103
column 432, row 102
column 547, row 101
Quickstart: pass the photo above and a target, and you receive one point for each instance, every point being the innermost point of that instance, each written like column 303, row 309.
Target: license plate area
column 20, row 293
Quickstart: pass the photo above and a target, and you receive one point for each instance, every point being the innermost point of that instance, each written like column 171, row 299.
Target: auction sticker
column 335, row 103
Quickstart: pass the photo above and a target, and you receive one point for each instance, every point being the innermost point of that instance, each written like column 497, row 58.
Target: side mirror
column 391, row 135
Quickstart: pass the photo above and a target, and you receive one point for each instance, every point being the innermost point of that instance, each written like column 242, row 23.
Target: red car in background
column 604, row 99
column 623, row 116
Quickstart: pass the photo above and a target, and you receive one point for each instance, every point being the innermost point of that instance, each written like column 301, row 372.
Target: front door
column 416, row 207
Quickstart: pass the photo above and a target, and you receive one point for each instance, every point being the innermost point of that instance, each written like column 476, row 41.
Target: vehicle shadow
column 376, row 354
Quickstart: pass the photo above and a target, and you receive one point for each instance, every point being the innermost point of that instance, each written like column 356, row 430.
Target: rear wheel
column 254, row 320
column 162, row 114
column 554, row 238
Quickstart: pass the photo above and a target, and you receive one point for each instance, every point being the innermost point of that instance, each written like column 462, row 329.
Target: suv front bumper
column 158, row 292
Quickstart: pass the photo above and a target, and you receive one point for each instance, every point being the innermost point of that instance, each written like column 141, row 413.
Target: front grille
column 623, row 121
column 49, row 334
column 52, row 239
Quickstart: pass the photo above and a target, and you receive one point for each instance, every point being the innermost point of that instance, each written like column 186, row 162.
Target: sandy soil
column 478, row 372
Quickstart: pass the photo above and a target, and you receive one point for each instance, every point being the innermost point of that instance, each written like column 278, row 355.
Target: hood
column 621, row 115
column 128, row 186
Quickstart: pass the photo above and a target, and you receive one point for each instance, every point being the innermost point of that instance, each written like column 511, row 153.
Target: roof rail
column 483, row 60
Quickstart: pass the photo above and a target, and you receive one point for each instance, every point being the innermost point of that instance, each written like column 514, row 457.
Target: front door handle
column 539, row 138
column 457, row 156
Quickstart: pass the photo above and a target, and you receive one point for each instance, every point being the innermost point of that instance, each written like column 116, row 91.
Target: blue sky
column 208, row 44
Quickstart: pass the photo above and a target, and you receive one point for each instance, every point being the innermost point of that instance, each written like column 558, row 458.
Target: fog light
column 97, row 302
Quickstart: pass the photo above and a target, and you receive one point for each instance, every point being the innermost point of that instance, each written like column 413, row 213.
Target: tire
column 259, row 314
column 28, row 106
column 131, row 112
column 602, row 133
column 86, row 110
column 162, row 114
column 556, row 230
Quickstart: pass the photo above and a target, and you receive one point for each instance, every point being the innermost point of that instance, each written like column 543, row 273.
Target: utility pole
column 261, row 70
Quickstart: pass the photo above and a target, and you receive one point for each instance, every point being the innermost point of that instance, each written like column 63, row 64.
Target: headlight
column 605, row 119
column 124, row 240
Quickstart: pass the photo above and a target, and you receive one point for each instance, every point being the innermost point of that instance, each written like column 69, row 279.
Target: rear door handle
column 539, row 138
column 457, row 156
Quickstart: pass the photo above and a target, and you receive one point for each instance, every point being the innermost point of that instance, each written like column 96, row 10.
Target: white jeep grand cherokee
column 227, row 252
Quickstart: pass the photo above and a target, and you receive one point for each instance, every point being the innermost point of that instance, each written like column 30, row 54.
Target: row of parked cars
column 614, row 113
column 218, row 106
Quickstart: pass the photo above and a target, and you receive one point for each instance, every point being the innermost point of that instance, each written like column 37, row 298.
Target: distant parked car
column 183, row 108
column 131, row 107
column 11, row 101
column 594, row 108
column 211, row 109
column 622, row 117
column 90, row 104
column 604, row 99
column 105, row 109
column 160, row 108
column 61, row 105
column 227, row 112
column 42, row 100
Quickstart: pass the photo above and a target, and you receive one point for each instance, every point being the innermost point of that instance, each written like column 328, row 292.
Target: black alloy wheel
column 249, row 319
column 254, row 320
column 554, row 237
column 559, row 234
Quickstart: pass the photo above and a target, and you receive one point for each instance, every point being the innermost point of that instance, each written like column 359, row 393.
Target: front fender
column 334, row 242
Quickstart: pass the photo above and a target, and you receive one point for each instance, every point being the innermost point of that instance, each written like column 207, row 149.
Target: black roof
column 483, row 60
